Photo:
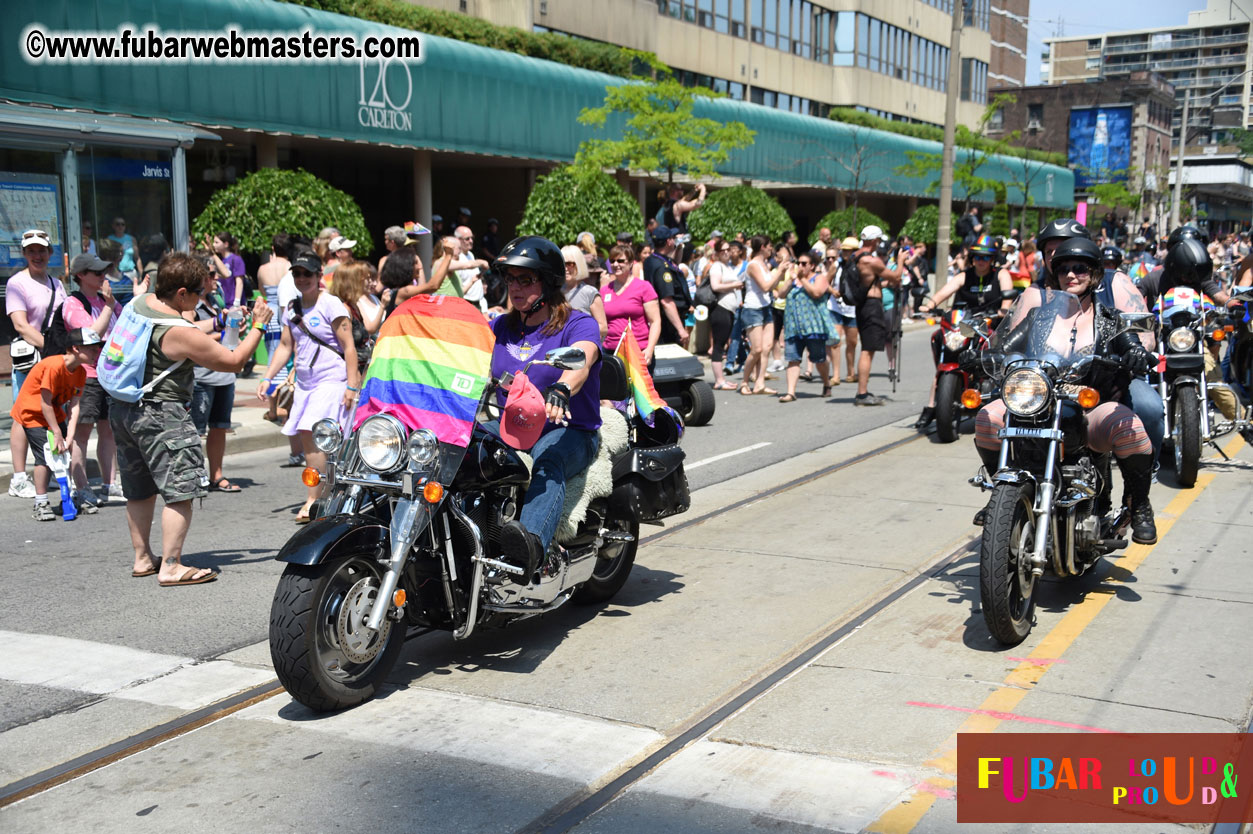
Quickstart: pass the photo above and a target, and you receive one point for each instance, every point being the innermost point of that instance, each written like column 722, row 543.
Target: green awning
column 461, row 97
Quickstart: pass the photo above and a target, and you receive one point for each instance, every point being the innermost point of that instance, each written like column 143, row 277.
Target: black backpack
column 57, row 336
column 852, row 290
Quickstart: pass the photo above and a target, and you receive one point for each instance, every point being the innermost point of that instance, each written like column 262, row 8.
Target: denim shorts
column 755, row 317
column 211, row 406
column 794, row 346
column 842, row 320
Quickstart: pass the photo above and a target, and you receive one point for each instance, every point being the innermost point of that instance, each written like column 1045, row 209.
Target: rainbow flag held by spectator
column 430, row 365
column 643, row 393
column 1138, row 272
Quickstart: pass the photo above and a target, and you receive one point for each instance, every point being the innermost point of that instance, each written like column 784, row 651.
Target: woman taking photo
column 629, row 298
column 806, row 325
column 318, row 327
column 582, row 297
column 729, row 290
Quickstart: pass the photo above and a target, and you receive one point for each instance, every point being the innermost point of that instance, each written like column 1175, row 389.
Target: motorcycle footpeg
column 1110, row 545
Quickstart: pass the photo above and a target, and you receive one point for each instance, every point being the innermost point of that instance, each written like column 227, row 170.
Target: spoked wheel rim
column 346, row 649
column 1022, row 545
column 1176, row 437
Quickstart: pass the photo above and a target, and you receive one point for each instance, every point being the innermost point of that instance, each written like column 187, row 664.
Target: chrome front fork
column 1044, row 502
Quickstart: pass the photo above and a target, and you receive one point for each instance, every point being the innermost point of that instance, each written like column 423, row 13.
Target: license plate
column 1039, row 434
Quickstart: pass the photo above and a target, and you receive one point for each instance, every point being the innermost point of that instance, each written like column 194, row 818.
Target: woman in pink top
column 99, row 314
column 630, row 299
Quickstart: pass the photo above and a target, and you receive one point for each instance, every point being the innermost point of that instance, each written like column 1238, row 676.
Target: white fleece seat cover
column 597, row 480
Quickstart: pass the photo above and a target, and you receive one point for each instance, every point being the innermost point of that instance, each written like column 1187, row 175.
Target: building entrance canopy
column 459, row 97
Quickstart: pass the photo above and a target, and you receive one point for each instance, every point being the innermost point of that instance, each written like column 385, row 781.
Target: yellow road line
column 905, row 815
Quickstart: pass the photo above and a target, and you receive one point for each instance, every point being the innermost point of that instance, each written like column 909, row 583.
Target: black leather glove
column 558, row 394
column 1135, row 358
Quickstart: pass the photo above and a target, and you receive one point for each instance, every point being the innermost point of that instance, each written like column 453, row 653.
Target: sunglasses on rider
column 522, row 281
column 981, row 257
column 1078, row 268
column 620, row 261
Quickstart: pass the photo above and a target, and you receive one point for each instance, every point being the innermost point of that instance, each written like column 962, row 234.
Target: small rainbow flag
column 1138, row 271
column 431, row 362
column 647, row 400
column 1185, row 297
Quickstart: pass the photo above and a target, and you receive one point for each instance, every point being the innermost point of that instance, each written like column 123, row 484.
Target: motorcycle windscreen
column 1045, row 324
column 430, row 366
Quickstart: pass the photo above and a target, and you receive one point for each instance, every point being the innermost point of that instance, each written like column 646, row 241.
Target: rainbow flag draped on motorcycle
column 643, row 393
column 430, row 365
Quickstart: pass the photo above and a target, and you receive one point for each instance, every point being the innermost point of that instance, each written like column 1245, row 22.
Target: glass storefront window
column 130, row 184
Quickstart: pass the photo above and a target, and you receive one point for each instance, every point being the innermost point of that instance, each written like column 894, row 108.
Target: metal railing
column 1174, row 43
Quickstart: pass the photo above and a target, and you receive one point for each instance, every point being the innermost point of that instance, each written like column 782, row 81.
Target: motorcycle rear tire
column 304, row 640
column 948, row 408
column 1004, row 564
column 610, row 574
column 1186, row 435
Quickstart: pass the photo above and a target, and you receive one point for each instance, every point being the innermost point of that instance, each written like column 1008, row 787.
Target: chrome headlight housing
column 423, row 447
column 1025, row 391
column 327, row 436
column 381, row 442
column 1181, row 339
column 953, row 340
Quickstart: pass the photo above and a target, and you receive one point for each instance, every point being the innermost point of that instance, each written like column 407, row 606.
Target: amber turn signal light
column 1230, row 328
column 311, row 477
column 398, row 598
column 1088, row 398
column 971, row 398
column 432, row 492
column 1219, row 335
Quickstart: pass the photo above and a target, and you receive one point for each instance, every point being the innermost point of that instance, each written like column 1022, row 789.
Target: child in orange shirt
column 48, row 401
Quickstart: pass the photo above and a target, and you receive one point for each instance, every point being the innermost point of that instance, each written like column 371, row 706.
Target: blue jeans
column 559, row 455
column 1229, row 375
column 15, row 380
column 735, row 352
column 1146, row 402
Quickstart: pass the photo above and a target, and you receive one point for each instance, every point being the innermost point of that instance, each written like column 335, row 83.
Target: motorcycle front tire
column 613, row 566
column 1006, row 586
column 1186, row 435
column 948, row 407
column 322, row 655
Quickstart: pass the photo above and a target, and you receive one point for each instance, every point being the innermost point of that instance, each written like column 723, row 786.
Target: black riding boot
column 925, row 418
column 991, row 460
column 1137, row 477
column 522, row 548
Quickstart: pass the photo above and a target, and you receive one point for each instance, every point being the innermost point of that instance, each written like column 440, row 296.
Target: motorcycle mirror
column 1244, row 296
column 566, row 358
column 967, row 329
column 1138, row 322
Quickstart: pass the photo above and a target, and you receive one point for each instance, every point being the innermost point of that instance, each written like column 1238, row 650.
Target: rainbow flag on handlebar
column 647, row 400
column 1182, row 297
column 431, row 363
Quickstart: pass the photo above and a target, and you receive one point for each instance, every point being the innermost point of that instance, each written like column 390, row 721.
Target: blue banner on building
column 1099, row 149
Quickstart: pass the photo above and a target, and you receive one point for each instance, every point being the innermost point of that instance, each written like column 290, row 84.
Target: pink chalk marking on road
column 886, row 774
column 1038, row 661
column 942, row 793
column 1009, row 716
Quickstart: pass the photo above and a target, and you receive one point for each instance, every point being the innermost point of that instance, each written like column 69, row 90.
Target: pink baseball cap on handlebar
column 522, row 421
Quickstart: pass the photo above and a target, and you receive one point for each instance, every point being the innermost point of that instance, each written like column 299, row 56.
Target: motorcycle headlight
column 380, row 442
column 953, row 340
column 327, row 436
column 1181, row 339
column 423, row 447
column 1025, row 391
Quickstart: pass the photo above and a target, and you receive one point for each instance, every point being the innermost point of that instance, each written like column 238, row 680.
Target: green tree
column 740, row 209
column 662, row 132
column 968, row 183
column 568, row 201
column 1116, row 194
column 848, row 222
column 999, row 225
column 923, row 226
column 269, row 201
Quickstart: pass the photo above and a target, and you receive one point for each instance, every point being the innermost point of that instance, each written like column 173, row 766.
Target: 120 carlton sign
column 386, row 89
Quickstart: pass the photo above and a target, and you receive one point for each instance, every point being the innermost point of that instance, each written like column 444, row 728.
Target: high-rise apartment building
column 889, row 57
column 1208, row 60
column 1007, row 63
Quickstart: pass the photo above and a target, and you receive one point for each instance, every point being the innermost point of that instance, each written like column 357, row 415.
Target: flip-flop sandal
column 139, row 573
column 186, row 579
column 769, row 392
column 850, row 378
column 228, row 488
column 745, row 391
column 727, row 386
column 788, row 398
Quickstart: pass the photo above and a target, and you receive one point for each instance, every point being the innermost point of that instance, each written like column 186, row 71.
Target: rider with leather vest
column 534, row 271
column 1112, row 427
column 980, row 288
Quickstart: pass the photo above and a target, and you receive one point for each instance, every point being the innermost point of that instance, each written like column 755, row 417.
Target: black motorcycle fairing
column 322, row 538
column 490, row 462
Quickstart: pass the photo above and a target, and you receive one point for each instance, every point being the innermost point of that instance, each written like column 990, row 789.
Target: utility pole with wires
column 944, row 224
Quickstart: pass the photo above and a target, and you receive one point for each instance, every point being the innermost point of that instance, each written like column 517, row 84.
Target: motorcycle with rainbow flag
column 418, row 487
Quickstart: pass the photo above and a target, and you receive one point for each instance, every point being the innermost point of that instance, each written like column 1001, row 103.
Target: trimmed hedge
column 269, row 201
column 575, row 52
column 566, row 202
column 924, row 226
column 741, row 208
column 842, row 225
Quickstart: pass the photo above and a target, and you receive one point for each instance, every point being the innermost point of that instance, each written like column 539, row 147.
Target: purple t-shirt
column 316, row 363
column 32, row 295
column 236, row 265
column 514, row 350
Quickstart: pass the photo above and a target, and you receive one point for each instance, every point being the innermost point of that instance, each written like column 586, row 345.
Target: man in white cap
column 31, row 297
column 872, row 324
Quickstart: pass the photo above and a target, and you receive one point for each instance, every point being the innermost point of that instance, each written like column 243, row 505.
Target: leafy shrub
column 843, row 224
column 999, row 227
column 270, row 201
column 923, row 226
column 741, row 208
column 567, row 201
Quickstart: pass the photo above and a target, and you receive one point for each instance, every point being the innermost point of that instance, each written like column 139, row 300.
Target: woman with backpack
column 317, row 326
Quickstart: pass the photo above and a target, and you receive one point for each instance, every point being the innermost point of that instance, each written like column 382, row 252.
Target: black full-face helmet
column 537, row 253
column 1188, row 263
column 1077, row 249
column 1186, row 232
column 1065, row 228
